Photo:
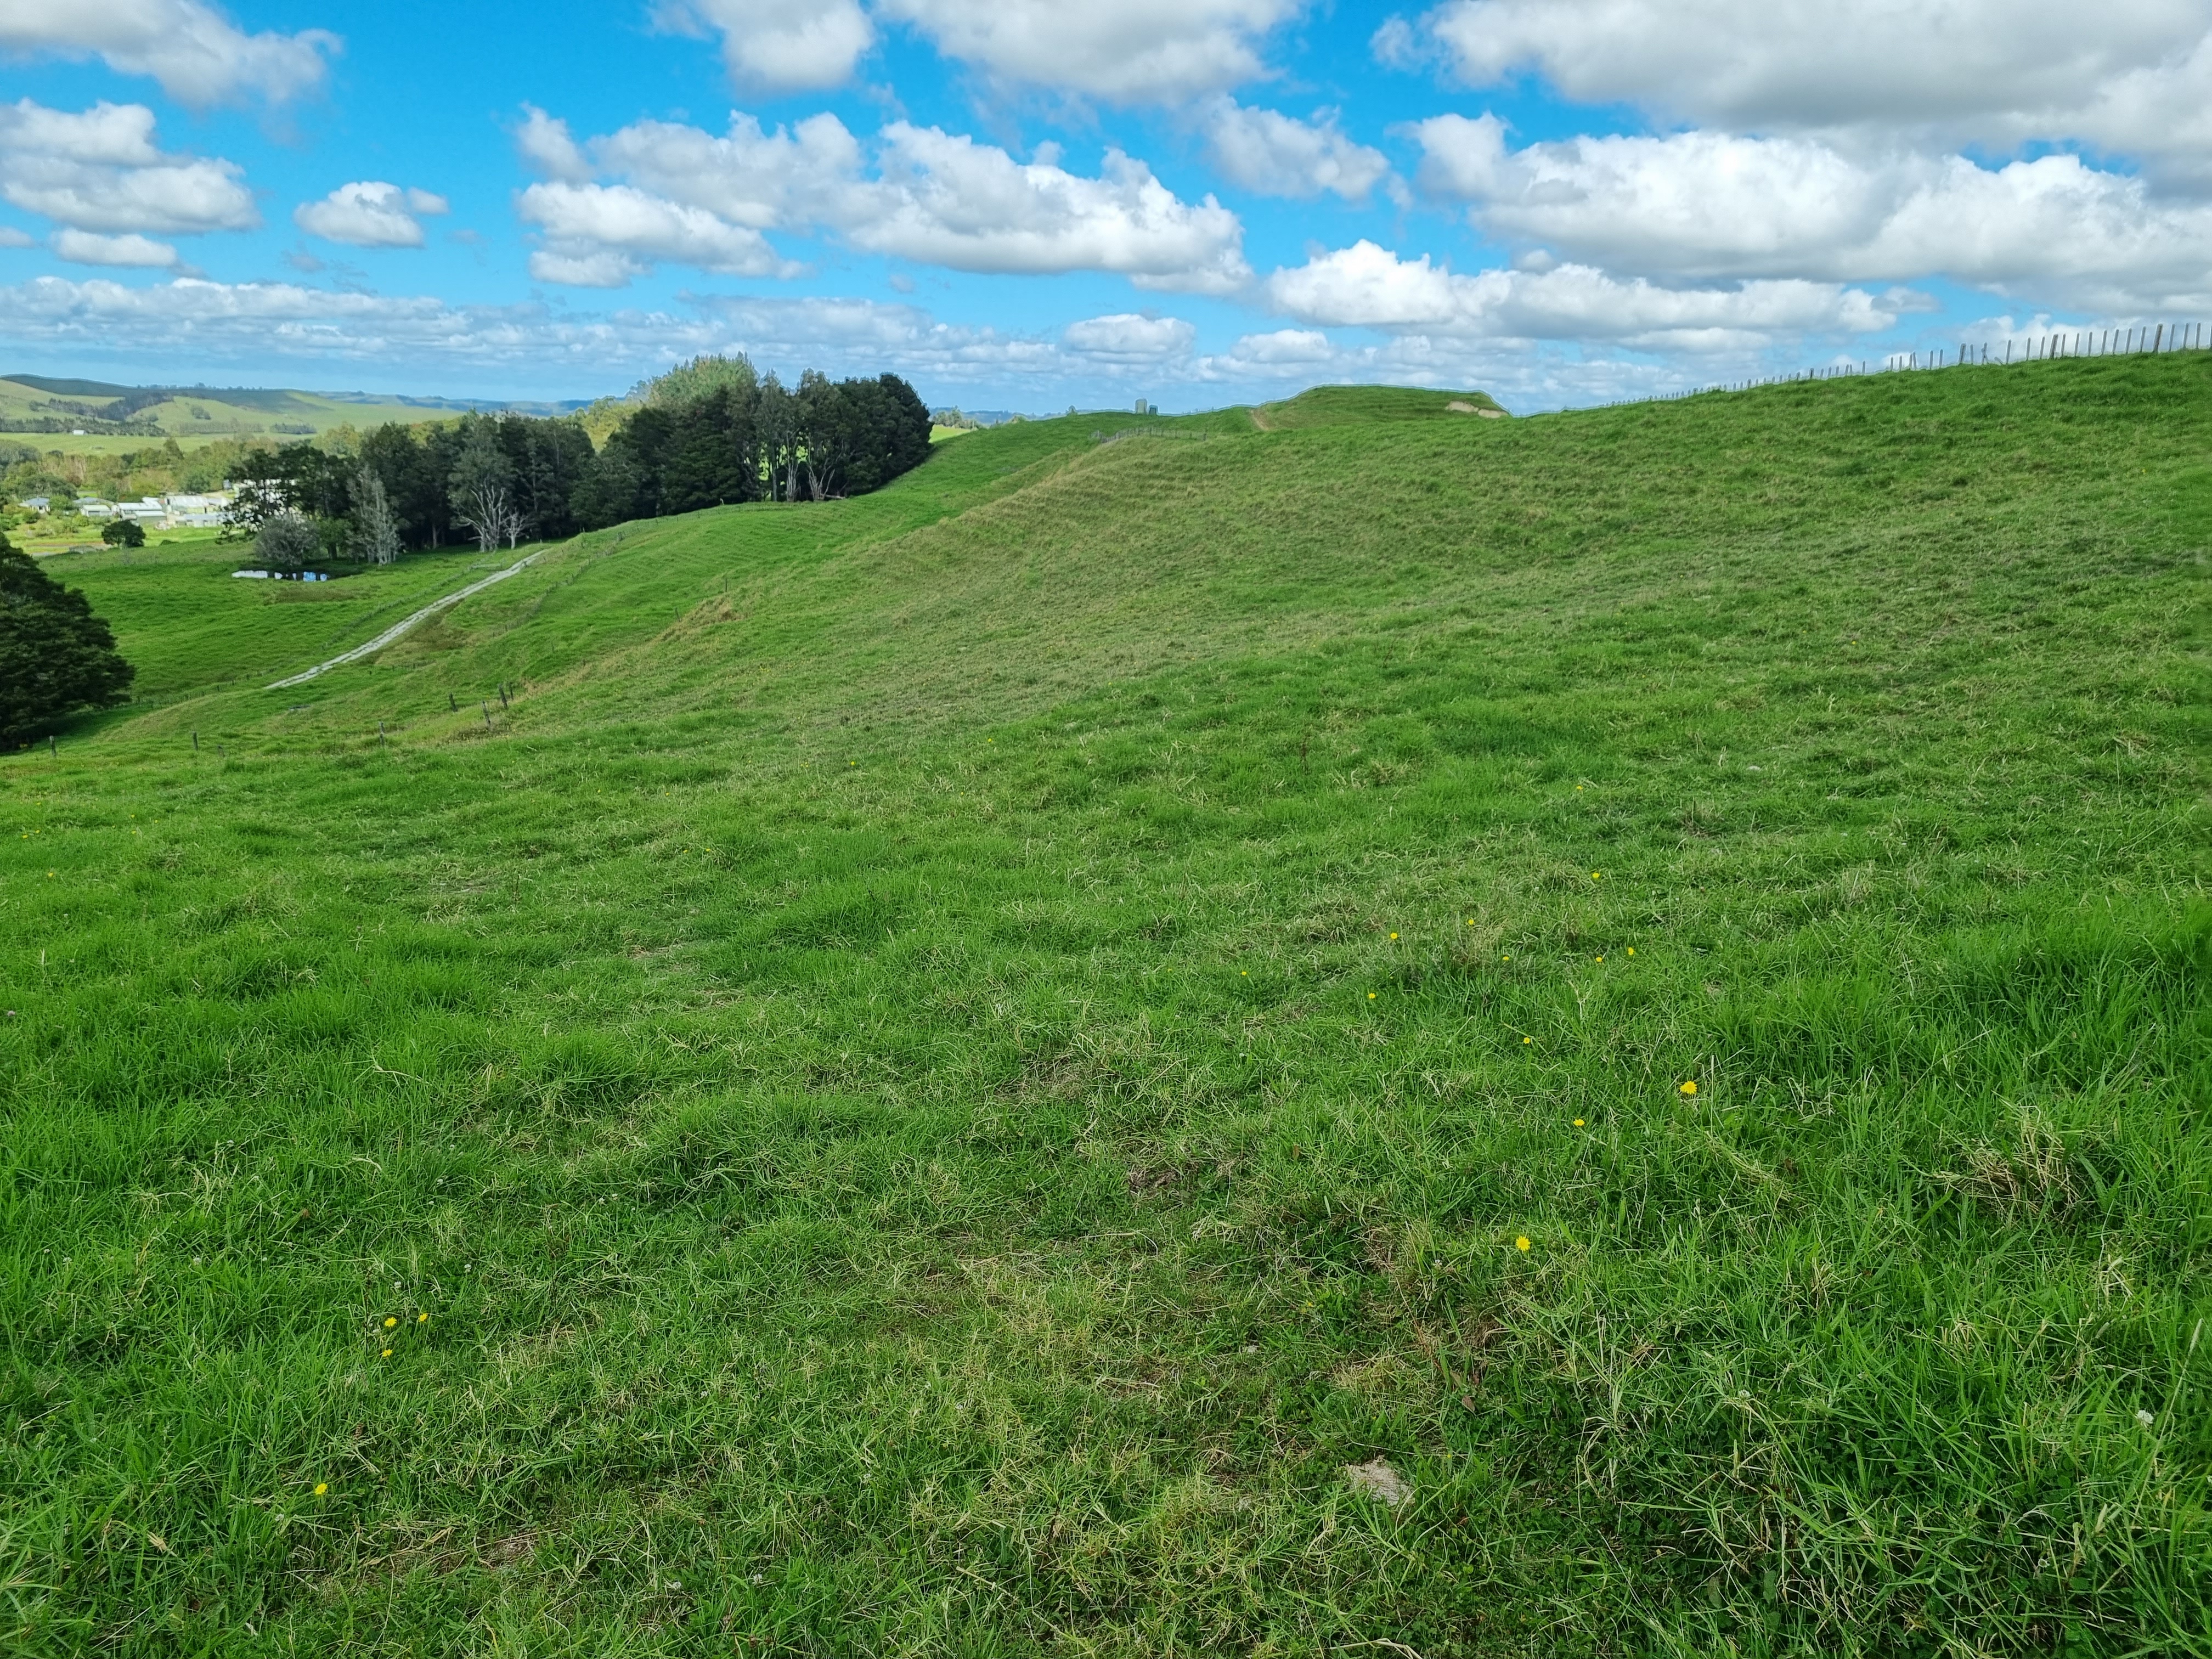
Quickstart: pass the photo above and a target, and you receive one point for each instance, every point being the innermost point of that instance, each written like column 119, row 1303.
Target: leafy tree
column 123, row 532
column 287, row 540
column 702, row 376
column 56, row 657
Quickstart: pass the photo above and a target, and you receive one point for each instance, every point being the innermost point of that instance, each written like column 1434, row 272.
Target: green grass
column 196, row 418
column 955, row 1057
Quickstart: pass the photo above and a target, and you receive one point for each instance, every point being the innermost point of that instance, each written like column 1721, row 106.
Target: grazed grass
column 957, row 1057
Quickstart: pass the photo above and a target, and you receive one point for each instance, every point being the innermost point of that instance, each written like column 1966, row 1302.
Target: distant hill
column 44, row 405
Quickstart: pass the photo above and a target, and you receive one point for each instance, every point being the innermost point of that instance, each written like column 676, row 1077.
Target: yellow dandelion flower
column 321, row 1487
column 1689, row 1088
column 1597, row 875
column 1527, row 1039
column 422, row 1319
column 386, row 1354
column 1600, row 958
column 1393, row 936
column 1521, row 1243
column 389, row 1323
column 1371, row 996
column 1632, row 950
column 1578, row 1123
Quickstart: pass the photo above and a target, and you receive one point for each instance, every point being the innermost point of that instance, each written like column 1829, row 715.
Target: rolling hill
column 1357, row 1030
column 78, row 416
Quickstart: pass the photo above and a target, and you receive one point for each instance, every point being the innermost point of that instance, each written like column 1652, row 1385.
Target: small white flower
column 2146, row 1419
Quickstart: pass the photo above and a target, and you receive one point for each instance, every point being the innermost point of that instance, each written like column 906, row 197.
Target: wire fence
column 2151, row 339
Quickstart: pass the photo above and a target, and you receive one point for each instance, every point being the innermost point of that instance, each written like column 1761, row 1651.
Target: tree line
column 710, row 433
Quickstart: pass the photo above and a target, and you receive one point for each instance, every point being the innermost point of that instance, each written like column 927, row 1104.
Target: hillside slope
column 955, row 1058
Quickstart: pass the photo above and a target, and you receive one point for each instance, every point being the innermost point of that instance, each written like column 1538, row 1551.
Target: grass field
column 955, row 1058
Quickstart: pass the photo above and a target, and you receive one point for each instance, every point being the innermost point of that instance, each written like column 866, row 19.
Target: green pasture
column 949, row 1062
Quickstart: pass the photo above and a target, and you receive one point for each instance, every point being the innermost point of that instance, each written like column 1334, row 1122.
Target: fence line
column 2149, row 340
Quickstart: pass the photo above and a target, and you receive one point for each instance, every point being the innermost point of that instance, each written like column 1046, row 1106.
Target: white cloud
column 1133, row 337
column 1276, row 154
column 101, row 171
column 84, row 248
column 1369, row 287
column 196, row 53
column 2136, row 75
column 369, row 214
column 548, row 149
column 776, row 47
column 789, row 178
column 11, row 237
column 419, row 341
column 946, row 200
column 935, row 197
column 1125, row 52
column 1705, row 204
column 602, row 236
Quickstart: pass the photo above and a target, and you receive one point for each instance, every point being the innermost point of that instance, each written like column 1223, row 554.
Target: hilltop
column 1344, row 1027
column 85, row 417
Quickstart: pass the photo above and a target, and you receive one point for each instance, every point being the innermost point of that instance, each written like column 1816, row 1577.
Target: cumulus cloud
column 1131, row 51
column 1370, row 287
column 547, row 146
column 1131, row 337
column 934, row 197
column 265, row 325
column 604, row 236
column 774, row 46
column 101, row 171
column 197, row 54
column 83, row 247
column 790, row 177
column 1706, row 205
column 1276, row 155
column 369, row 214
column 944, row 199
column 2140, row 79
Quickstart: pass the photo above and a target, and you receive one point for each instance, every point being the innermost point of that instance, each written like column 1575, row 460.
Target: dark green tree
column 56, row 657
column 123, row 532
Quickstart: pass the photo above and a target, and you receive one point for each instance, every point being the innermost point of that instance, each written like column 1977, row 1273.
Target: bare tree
column 376, row 532
column 484, row 488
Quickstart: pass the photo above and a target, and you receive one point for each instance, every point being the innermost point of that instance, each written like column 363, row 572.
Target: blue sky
column 1030, row 203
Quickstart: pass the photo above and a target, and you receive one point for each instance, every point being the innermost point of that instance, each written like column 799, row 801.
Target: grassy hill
column 956, row 1059
column 46, row 414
